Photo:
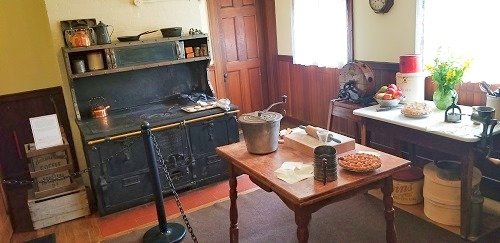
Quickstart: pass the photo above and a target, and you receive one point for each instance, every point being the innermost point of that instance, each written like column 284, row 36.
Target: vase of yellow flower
column 446, row 74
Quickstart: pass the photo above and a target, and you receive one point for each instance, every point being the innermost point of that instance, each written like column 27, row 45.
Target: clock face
column 381, row 6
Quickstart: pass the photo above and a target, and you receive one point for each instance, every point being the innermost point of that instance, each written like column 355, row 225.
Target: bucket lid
column 260, row 117
column 408, row 174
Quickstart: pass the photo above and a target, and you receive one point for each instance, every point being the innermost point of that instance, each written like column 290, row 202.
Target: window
column 465, row 29
column 320, row 32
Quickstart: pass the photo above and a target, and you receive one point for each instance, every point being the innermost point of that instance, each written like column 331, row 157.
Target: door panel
column 226, row 3
column 228, row 25
column 240, row 27
column 248, row 2
column 256, row 87
column 251, row 37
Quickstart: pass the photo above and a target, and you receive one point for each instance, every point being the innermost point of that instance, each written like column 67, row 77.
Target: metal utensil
column 329, row 137
column 134, row 37
column 485, row 87
column 388, row 108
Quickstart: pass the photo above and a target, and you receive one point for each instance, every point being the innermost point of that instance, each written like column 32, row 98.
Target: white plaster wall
column 384, row 37
column 284, row 26
column 127, row 19
column 377, row 37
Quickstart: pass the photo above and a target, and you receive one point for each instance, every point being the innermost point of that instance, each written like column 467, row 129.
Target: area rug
column 263, row 217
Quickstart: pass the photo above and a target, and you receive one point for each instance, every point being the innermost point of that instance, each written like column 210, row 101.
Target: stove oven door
column 204, row 138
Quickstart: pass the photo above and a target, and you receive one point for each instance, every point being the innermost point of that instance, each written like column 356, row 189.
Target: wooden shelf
column 132, row 43
column 490, row 223
column 138, row 67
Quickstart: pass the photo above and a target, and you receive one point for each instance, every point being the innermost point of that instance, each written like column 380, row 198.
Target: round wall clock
column 381, row 6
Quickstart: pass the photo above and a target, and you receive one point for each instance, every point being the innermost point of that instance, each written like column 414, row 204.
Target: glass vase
column 444, row 98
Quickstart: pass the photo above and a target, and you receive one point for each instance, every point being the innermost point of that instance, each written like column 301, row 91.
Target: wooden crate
column 53, row 162
column 58, row 208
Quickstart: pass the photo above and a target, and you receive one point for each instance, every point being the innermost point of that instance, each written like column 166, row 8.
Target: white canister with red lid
column 412, row 85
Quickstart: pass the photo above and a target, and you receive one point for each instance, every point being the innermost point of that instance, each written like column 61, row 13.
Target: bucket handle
column 283, row 101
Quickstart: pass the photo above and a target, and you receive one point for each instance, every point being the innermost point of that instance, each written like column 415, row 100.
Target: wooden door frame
column 270, row 59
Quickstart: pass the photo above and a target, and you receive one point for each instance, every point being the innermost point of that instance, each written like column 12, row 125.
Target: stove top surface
column 156, row 114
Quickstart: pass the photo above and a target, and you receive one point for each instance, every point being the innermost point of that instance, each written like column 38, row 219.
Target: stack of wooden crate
column 52, row 200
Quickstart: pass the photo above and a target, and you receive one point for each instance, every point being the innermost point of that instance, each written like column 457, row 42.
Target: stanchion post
column 164, row 232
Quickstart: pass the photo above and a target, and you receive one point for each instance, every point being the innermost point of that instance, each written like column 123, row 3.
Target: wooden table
column 433, row 133
column 307, row 196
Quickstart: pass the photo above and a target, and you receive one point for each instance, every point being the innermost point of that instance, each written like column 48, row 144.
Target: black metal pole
column 164, row 232
column 153, row 170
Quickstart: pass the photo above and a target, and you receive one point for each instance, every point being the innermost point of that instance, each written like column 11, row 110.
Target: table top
column 308, row 191
column 465, row 131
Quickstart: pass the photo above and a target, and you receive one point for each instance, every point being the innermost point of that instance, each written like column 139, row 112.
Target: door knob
column 225, row 77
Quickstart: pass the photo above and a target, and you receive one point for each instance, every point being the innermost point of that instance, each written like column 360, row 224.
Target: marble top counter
column 465, row 131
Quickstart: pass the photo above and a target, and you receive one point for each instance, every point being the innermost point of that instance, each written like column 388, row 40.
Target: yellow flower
column 450, row 74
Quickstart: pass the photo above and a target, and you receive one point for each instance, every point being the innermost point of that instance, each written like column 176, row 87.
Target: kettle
column 101, row 33
column 98, row 110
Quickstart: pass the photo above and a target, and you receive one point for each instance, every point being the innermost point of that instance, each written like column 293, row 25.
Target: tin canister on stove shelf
column 408, row 184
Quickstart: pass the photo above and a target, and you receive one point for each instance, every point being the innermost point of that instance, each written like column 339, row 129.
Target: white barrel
column 494, row 102
column 412, row 85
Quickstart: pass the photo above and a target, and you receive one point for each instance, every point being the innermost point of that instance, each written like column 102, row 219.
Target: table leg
column 364, row 134
column 233, row 210
column 302, row 219
column 466, row 193
column 390, row 229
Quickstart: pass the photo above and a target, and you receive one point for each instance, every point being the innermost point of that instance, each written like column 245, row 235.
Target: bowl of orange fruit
column 388, row 96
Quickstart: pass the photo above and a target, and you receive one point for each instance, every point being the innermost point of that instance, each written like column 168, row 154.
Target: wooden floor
column 94, row 228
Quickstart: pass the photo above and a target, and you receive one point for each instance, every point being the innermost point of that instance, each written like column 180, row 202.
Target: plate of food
column 416, row 110
column 389, row 96
column 360, row 162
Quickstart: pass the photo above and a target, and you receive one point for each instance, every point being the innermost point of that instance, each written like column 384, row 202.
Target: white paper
column 292, row 172
column 46, row 132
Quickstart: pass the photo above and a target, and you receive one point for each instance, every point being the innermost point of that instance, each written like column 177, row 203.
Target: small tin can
column 79, row 66
column 408, row 184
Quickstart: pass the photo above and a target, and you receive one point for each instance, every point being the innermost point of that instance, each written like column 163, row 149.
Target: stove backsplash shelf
column 136, row 73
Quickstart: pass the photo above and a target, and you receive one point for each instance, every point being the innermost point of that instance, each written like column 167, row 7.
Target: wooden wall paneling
column 5, row 226
column 283, row 82
column 297, row 96
column 270, row 38
column 16, row 109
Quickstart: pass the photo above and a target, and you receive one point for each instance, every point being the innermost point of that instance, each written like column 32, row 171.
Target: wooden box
column 50, row 163
column 300, row 141
column 58, row 208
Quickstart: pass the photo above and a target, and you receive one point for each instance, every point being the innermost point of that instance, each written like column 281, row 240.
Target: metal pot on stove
column 261, row 129
column 98, row 107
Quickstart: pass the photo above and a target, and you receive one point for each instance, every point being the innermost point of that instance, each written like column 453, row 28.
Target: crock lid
column 260, row 117
column 408, row 174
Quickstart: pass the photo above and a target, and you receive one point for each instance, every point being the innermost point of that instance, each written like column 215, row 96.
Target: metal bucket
column 261, row 131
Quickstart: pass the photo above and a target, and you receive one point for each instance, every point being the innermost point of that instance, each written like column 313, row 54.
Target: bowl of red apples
column 389, row 95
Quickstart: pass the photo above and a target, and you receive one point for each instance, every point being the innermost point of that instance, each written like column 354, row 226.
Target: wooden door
column 237, row 30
